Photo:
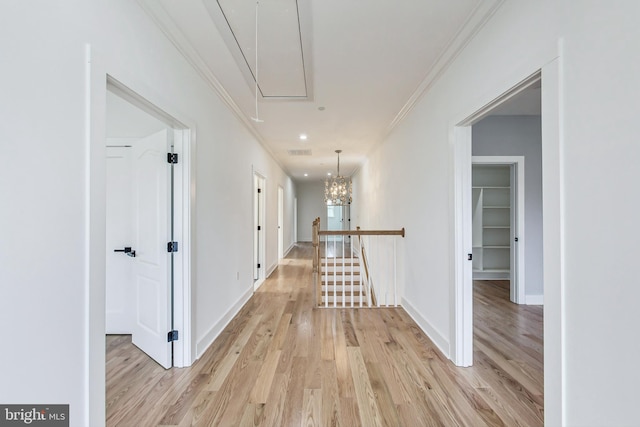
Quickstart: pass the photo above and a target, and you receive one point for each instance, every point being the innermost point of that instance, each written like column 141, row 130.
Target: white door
column 295, row 219
column 335, row 221
column 151, row 267
column 119, row 226
column 280, row 223
column 259, row 184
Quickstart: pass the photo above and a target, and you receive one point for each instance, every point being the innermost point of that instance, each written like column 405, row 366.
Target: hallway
column 282, row 363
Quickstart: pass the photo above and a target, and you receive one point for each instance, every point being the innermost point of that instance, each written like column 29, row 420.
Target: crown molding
column 163, row 21
column 476, row 21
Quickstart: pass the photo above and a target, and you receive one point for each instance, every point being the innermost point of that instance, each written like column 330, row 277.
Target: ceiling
column 344, row 73
column 526, row 103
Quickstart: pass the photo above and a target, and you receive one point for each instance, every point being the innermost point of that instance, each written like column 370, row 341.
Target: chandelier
column 337, row 189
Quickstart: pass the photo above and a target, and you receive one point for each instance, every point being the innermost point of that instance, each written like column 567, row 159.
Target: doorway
column 280, row 223
column 295, row 220
column 461, row 351
column 462, row 348
column 338, row 218
column 147, row 227
column 259, row 186
column 498, row 221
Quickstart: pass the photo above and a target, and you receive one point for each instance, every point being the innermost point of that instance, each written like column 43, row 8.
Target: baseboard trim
column 215, row 331
column 438, row 339
column 289, row 250
column 272, row 269
column 534, row 299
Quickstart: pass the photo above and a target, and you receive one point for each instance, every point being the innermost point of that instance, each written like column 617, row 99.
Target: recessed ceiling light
column 328, row 173
column 306, row 174
column 303, row 136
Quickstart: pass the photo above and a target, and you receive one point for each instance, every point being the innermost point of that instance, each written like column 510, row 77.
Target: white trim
column 213, row 333
column 534, row 300
column 182, row 349
column 462, row 314
column 553, row 195
column 93, row 402
column 271, row 269
column 289, row 249
column 519, row 161
column 434, row 335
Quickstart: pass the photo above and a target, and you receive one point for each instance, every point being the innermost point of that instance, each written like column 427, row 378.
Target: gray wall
column 310, row 206
column 520, row 136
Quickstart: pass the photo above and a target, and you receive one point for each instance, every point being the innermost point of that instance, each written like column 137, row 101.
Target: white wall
column 590, row 353
column 310, row 206
column 602, row 207
column 52, row 133
column 520, row 136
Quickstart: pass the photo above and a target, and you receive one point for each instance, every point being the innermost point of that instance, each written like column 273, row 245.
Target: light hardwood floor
column 280, row 362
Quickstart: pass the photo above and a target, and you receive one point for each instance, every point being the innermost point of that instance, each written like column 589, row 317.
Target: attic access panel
column 281, row 60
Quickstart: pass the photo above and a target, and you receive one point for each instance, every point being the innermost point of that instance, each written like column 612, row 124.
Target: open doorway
column 147, row 227
column 461, row 350
column 473, row 327
column 498, row 221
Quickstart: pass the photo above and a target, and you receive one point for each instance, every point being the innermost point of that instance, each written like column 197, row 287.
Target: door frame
column 258, row 218
column 182, row 218
column 295, row 220
column 461, row 345
column 517, row 251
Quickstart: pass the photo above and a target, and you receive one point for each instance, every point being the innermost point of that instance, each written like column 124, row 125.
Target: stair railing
column 315, row 240
column 346, row 270
column 366, row 280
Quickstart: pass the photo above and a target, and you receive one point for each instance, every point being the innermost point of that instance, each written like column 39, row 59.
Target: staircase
column 342, row 271
column 341, row 283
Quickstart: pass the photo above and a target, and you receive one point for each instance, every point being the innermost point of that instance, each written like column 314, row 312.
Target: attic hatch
column 283, row 44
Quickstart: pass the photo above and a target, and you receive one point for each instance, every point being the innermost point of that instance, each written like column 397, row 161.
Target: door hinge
column 259, row 228
column 259, row 190
column 258, row 265
column 172, row 336
column 172, row 158
column 172, row 247
column 469, row 257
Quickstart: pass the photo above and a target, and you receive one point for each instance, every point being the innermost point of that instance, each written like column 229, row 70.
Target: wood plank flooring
column 280, row 362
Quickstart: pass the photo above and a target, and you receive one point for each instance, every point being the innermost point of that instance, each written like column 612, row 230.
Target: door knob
column 127, row 251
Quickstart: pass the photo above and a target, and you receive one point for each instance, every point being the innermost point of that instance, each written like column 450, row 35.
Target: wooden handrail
column 362, row 232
